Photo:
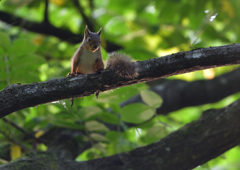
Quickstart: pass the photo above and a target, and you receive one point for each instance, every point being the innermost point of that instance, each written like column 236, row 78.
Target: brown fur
column 87, row 58
column 123, row 65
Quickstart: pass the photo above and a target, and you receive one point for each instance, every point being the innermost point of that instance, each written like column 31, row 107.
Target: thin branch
column 49, row 29
column 7, row 69
column 16, row 97
column 46, row 21
column 15, row 126
column 16, row 141
column 91, row 4
column 26, row 133
column 80, row 9
column 192, row 145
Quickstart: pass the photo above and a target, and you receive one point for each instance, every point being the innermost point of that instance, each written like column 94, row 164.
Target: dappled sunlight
column 169, row 51
column 209, row 73
column 38, row 40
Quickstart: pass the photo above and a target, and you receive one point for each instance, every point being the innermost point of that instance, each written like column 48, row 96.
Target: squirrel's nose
column 95, row 46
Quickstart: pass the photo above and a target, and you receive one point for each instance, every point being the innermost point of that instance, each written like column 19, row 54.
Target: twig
column 46, row 21
column 22, row 130
column 16, row 142
column 80, row 9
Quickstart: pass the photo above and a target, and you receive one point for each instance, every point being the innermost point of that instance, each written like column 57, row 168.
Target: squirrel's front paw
column 70, row 75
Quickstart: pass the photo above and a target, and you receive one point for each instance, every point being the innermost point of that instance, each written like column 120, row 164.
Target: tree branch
column 91, row 4
column 192, row 145
column 79, row 8
column 16, row 97
column 46, row 21
column 49, row 29
column 22, row 130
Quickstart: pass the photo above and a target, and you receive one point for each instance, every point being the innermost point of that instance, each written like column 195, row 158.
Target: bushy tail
column 123, row 65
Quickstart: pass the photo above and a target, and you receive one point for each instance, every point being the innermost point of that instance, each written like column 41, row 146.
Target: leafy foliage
column 145, row 29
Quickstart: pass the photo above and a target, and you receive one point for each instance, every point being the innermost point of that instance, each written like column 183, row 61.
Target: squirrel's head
column 92, row 40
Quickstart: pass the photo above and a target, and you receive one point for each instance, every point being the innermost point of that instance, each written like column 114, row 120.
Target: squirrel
column 88, row 58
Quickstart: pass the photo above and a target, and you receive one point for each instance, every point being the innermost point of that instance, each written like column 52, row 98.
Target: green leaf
column 104, row 54
column 2, row 53
column 17, row 3
column 5, row 42
column 113, row 136
column 96, row 126
column 109, row 118
column 115, row 107
column 117, row 26
column 147, row 124
column 151, row 99
column 90, row 155
column 88, row 112
column 139, row 53
column 66, row 124
column 21, row 47
column 2, row 58
column 154, row 134
column 117, row 95
column 136, row 113
column 31, row 61
column 98, row 137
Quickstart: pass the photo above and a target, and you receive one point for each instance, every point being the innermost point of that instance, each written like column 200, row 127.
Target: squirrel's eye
column 99, row 42
column 89, row 39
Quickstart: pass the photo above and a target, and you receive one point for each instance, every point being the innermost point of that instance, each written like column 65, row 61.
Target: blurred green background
column 140, row 28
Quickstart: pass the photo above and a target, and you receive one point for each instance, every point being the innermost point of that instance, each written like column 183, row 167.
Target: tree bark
column 16, row 97
column 215, row 132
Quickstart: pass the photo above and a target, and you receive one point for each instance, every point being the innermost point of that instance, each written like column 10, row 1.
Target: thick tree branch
column 192, row 145
column 49, row 29
column 16, row 97
column 177, row 94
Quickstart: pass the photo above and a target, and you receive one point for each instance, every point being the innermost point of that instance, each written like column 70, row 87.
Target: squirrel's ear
column 99, row 32
column 86, row 32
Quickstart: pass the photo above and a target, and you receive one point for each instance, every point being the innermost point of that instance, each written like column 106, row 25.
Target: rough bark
column 215, row 132
column 16, row 97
